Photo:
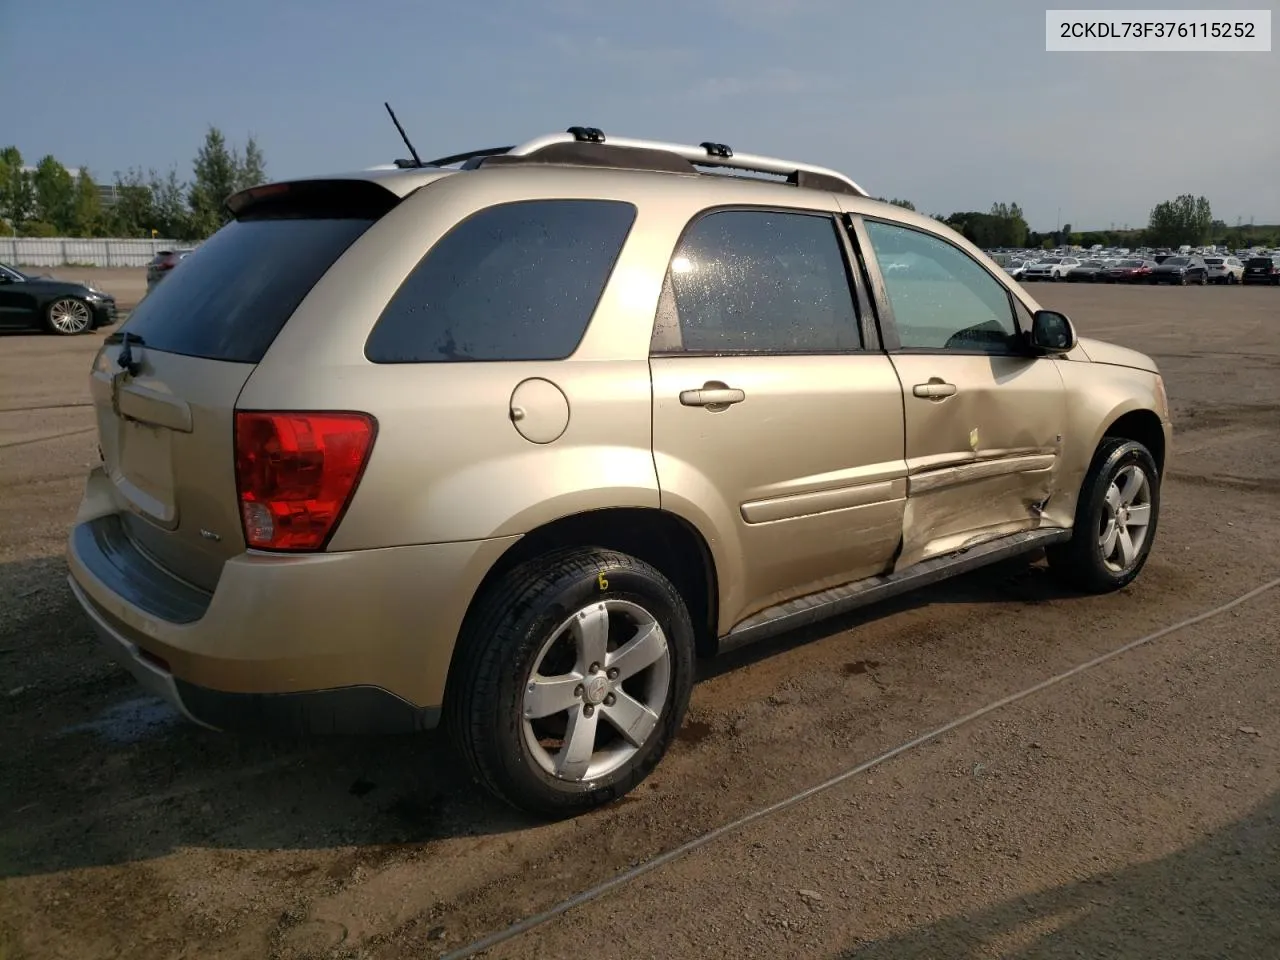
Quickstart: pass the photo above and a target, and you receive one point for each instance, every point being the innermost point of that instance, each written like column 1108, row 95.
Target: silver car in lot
column 1228, row 270
column 1050, row 268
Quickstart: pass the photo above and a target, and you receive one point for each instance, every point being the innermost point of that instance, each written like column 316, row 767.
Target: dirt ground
column 1132, row 811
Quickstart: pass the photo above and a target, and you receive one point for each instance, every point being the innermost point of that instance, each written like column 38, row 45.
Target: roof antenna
column 417, row 160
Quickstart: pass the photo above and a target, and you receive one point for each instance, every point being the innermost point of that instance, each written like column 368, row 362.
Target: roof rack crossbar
column 708, row 154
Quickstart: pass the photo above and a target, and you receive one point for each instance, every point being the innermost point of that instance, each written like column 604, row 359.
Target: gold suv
column 507, row 440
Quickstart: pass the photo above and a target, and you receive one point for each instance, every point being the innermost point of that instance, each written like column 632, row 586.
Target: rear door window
column 230, row 298
column 518, row 281
column 757, row 282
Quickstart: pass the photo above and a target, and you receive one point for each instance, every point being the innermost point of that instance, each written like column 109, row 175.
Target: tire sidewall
column 568, row 595
column 1115, row 459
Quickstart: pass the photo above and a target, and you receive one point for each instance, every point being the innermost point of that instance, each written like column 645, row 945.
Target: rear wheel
column 572, row 677
column 68, row 316
column 1115, row 523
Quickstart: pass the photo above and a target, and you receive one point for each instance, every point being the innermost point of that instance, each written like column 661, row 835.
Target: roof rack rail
column 706, row 154
column 464, row 157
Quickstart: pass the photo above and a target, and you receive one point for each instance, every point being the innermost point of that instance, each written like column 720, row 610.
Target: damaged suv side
column 508, row 446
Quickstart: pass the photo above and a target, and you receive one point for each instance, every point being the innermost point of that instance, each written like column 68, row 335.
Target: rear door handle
column 714, row 394
column 935, row 389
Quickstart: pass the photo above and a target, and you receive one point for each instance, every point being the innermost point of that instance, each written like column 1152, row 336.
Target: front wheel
column 1115, row 523
column 68, row 316
column 571, row 679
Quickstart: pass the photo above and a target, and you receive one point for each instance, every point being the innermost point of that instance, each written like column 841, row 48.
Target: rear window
column 518, row 281
column 1259, row 261
column 231, row 301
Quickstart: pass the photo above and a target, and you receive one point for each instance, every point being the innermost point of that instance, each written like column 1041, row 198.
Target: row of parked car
column 1179, row 269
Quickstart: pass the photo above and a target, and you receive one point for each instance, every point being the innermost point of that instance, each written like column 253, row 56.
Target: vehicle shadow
column 93, row 772
column 1217, row 898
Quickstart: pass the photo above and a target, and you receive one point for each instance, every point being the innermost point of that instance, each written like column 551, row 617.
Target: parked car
column 1181, row 270
column 1051, row 268
column 1015, row 268
column 437, row 462
column 1130, row 271
column 59, row 306
column 163, row 262
column 1262, row 270
column 1224, row 269
column 1088, row 271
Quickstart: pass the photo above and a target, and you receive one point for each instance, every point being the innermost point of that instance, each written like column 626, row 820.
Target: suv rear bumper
column 333, row 642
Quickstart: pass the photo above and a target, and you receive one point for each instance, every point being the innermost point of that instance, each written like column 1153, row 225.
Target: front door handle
column 935, row 389
column 713, row 395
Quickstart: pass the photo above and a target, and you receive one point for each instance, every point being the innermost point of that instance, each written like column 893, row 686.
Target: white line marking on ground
column 592, row 893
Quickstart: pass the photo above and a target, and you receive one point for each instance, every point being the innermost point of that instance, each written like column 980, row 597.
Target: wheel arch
column 1145, row 427
column 665, row 541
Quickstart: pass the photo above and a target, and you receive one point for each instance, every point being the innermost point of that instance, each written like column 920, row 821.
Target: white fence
column 76, row 251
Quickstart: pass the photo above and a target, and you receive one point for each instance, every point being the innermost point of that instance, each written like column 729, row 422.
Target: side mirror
column 1052, row 333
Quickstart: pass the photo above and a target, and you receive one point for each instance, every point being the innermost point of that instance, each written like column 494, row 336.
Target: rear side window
column 757, row 282
column 518, row 281
column 229, row 299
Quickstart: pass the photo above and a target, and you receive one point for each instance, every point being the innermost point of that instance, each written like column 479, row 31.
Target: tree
column 55, row 193
column 216, row 175
column 87, row 219
column 17, row 199
column 133, row 214
column 905, row 204
column 170, row 215
column 253, row 167
column 1186, row 220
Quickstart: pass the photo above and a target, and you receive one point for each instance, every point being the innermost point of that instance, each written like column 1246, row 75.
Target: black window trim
column 884, row 308
column 857, row 294
column 608, row 279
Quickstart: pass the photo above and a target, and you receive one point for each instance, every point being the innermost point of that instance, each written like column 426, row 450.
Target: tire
column 1084, row 561
column 1230, row 280
column 68, row 317
column 531, row 618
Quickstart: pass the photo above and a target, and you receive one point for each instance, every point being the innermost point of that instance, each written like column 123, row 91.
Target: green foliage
column 216, row 174
column 88, row 220
column 252, row 170
column 905, row 204
column 1004, row 226
column 17, row 197
column 1186, row 220
column 55, row 192
column 38, row 228
column 133, row 213
column 170, row 215
column 147, row 203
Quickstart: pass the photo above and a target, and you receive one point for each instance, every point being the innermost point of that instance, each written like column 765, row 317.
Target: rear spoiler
column 340, row 198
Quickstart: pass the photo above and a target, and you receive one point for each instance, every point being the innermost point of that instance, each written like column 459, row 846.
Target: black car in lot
column 1262, row 270
column 59, row 306
column 1088, row 272
column 1181, row 270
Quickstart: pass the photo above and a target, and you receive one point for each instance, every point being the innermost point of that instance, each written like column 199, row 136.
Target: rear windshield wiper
column 125, row 359
column 120, row 335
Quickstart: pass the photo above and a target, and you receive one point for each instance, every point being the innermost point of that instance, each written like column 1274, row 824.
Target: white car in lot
column 1228, row 270
column 1050, row 268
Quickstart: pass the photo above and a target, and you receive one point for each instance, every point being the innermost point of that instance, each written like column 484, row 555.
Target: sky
column 953, row 104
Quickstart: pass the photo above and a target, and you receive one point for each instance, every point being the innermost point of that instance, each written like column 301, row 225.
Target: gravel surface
column 1128, row 812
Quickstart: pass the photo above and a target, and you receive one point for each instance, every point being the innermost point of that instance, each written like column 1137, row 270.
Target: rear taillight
column 296, row 473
